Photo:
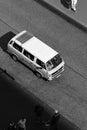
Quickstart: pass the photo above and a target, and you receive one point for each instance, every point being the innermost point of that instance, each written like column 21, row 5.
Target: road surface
column 68, row 93
column 79, row 16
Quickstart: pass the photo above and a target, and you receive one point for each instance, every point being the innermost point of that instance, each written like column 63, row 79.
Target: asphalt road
column 79, row 15
column 68, row 93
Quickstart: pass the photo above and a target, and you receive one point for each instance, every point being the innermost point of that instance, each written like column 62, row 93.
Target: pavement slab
column 79, row 17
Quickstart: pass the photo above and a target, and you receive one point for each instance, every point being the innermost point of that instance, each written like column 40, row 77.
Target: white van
column 44, row 60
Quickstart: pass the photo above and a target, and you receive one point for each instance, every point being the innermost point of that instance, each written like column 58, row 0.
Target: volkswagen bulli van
column 45, row 61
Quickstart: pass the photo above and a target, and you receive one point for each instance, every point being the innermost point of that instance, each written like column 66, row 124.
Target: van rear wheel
column 38, row 75
column 14, row 58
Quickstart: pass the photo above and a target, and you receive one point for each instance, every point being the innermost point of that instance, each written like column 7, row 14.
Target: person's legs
column 73, row 4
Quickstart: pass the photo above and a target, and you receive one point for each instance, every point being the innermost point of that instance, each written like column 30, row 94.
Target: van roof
column 35, row 46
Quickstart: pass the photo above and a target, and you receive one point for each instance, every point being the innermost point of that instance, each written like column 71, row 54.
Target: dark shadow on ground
column 17, row 103
column 3, row 71
column 5, row 39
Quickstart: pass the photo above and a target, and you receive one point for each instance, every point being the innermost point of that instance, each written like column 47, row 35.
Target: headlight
column 49, row 77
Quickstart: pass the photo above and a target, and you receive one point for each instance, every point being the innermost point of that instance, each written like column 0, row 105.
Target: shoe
column 73, row 9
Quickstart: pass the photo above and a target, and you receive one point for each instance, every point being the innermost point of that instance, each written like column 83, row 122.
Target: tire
column 14, row 58
column 38, row 75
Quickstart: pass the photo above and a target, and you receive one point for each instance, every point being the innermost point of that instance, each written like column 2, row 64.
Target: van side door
column 28, row 59
column 41, row 68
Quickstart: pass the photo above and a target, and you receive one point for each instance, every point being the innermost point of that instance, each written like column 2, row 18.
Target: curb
column 62, row 14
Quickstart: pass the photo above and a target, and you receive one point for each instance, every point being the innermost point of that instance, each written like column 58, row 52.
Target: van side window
column 27, row 54
column 39, row 62
column 16, row 46
column 10, row 42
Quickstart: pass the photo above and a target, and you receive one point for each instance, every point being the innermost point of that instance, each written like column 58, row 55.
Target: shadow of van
column 5, row 39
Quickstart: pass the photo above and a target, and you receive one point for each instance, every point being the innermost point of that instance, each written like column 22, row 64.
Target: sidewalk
column 79, row 18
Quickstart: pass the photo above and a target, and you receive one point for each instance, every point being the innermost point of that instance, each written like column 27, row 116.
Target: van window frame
column 11, row 42
column 29, row 55
column 42, row 65
column 18, row 47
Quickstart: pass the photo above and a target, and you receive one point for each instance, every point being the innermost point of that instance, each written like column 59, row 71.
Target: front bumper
column 56, row 74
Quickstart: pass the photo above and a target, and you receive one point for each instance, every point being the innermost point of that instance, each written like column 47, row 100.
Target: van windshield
column 55, row 61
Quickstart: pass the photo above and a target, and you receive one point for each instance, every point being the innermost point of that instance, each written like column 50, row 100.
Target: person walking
column 21, row 125
column 73, row 5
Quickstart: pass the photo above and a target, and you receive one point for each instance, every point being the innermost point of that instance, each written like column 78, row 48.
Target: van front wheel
column 38, row 74
column 14, row 58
